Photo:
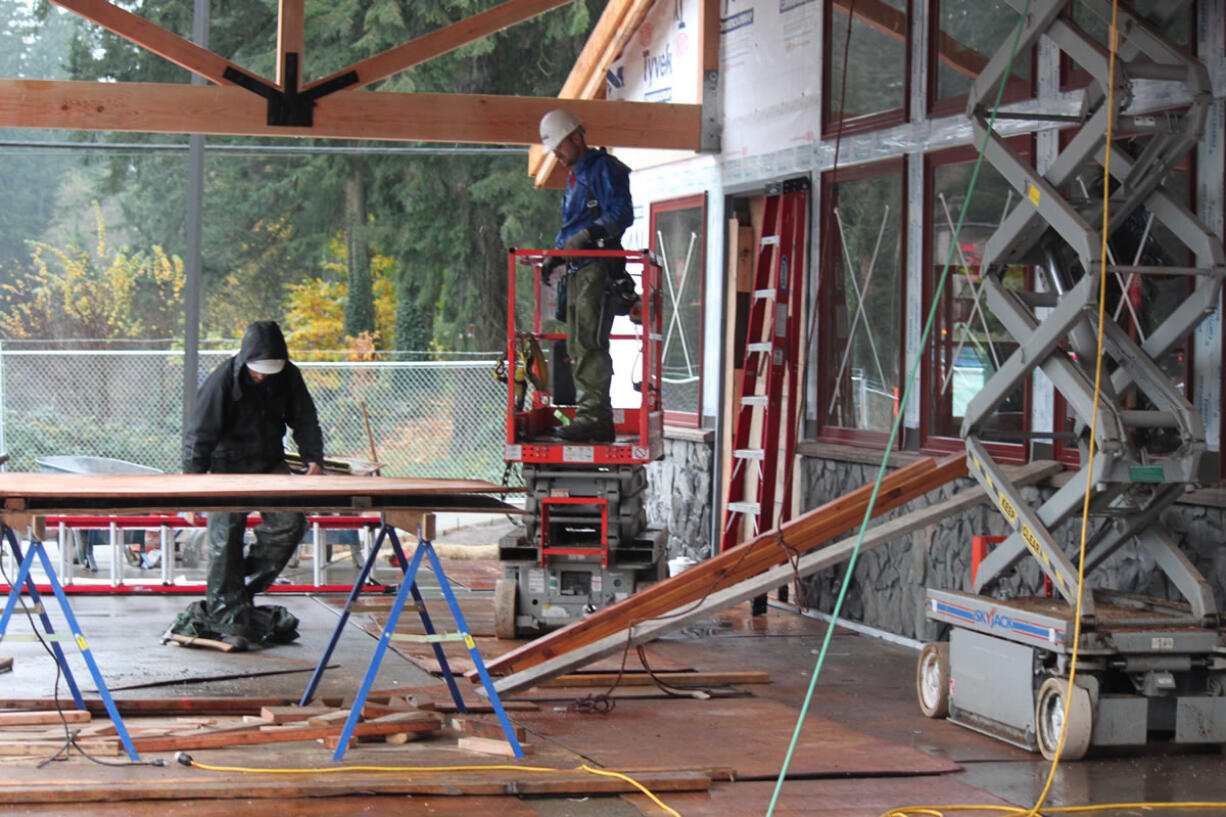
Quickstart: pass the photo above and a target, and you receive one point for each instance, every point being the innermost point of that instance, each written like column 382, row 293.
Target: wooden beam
column 468, row 118
column 291, row 23
column 445, row 39
column 550, row 174
column 644, row 631
column 180, row 51
column 803, row 533
column 590, row 59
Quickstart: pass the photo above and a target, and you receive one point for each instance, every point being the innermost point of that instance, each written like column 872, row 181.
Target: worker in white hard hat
column 596, row 210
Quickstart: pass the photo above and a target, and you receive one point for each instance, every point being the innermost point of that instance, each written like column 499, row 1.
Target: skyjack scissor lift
column 585, row 543
column 1147, row 669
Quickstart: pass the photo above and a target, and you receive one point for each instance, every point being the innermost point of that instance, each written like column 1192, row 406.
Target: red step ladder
column 767, row 405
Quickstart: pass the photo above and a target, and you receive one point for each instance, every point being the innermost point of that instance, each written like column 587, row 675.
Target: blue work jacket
column 597, row 195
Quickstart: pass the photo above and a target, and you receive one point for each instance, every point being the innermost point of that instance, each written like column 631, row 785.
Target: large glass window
column 874, row 89
column 968, row 344
column 678, row 237
column 1177, row 25
column 968, row 33
column 862, row 301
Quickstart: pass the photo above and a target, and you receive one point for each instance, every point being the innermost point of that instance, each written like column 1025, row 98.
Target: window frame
column 930, row 443
column 845, row 126
column 1073, row 78
column 685, row 419
column 826, row 432
column 1016, row 89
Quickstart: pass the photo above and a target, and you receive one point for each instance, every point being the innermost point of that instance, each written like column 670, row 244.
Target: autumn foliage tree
column 98, row 293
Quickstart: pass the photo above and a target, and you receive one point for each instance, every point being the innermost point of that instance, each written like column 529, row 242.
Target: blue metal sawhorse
column 409, row 586
column 37, row 551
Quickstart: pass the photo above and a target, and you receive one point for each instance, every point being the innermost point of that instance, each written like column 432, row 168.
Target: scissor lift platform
column 1146, row 669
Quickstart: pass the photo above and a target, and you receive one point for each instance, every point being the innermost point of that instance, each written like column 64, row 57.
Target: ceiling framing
column 240, row 103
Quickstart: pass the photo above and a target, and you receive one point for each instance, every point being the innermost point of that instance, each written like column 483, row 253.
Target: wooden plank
column 264, row 787
column 808, row 564
column 288, row 714
column 443, row 40
column 332, row 718
column 194, row 641
column 166, row 706
column 486, row 729
column 400, row 117
column 38, row 718
column 281, row 735
column 490, row 746
column 736, row 564
column 153, row 37
column 291, row 22
column 21, row 748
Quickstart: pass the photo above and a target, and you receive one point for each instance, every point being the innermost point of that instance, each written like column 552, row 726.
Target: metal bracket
column 288, row 107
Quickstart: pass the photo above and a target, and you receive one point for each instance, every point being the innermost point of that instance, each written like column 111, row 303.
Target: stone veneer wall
column 888, row 583
column 679, row 494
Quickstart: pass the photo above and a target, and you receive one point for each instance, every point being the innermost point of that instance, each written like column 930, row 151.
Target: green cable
column 936, row 299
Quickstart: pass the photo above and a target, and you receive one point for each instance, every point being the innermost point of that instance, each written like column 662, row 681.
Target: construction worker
column 596, row 210
column 237, row 425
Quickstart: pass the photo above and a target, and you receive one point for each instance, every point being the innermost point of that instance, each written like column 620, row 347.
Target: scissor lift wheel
column 932, row 679
column 505, row 601
column 1049, row 719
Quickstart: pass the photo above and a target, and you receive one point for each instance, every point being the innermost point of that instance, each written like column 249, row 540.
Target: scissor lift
column 585, row 542
column 1147, row 669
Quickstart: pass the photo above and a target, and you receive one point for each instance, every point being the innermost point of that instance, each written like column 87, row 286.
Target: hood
column 262, row 341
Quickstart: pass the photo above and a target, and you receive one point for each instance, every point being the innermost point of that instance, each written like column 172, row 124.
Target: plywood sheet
column 748, row 735
column 70, row 492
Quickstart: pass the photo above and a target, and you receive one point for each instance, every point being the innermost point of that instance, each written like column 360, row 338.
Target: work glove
column 578, row 241
column 551, row 263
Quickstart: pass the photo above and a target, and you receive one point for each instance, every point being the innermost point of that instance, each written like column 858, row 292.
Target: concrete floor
column 866, row 686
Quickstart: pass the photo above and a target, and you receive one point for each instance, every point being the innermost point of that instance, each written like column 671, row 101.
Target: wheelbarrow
column 84, row 541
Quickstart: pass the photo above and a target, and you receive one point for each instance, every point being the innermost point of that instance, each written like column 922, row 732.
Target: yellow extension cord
column 428, row 769
column 1033, row 811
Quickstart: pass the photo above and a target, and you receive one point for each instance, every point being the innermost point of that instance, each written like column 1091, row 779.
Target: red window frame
column 1016, row 89
column 827, row 432
column 841, row 125
column 1014, row 453
column 686, row 419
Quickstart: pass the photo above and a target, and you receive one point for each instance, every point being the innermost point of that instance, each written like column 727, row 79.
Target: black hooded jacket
column 237, row 425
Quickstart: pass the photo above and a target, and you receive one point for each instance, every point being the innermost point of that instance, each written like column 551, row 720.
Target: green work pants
column 588, row 323
column 234, row 578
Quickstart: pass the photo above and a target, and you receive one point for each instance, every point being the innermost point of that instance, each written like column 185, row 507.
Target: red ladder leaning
column 768, row 402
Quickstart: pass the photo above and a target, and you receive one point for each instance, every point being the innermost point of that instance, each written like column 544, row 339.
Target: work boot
column 587, row 431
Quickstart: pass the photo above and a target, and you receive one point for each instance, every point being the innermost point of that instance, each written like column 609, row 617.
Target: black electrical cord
column 70, row 735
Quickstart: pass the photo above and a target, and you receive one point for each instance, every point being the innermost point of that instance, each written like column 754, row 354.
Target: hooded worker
column 237, row 426
column 596, row 210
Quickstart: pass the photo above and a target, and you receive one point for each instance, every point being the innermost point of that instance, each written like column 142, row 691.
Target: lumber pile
column 738, row 564
column 385, row 718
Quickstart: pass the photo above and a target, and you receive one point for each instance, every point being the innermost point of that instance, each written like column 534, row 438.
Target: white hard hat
column 266, row 366
column 556, row 126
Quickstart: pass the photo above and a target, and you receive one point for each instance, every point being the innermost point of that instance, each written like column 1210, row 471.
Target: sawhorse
column 424, row 550
column 26, row 562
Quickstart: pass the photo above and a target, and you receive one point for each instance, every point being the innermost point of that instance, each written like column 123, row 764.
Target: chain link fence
column 429, row 418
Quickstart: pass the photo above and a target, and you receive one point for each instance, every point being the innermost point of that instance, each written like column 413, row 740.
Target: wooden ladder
column 767, row 403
